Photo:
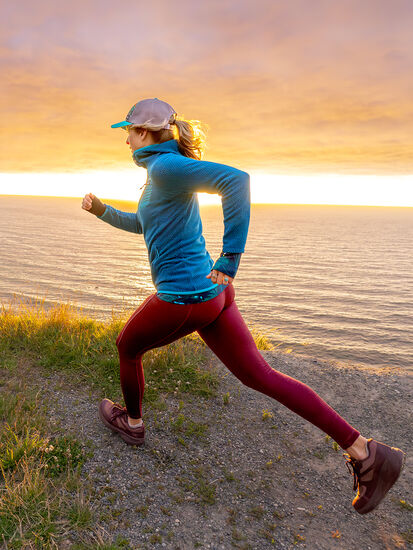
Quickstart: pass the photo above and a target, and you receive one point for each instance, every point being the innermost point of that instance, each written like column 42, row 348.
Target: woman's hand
column 219, row 277
column 93, row 205
column 228, row 261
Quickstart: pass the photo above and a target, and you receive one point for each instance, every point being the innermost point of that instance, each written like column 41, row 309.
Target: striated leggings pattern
column 219, row 323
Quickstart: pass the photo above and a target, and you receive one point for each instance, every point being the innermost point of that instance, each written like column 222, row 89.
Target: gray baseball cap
column 152, row 114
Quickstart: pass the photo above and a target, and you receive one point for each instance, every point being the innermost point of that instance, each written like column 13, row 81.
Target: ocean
column 326, row 282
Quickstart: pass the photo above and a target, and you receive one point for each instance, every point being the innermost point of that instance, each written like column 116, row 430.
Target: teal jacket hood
column 144, row 154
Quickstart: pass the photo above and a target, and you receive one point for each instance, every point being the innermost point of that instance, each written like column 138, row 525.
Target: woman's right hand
column 93, row 205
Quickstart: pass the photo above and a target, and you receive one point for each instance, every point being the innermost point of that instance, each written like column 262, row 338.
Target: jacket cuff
column 228, row 264
column 101, row 217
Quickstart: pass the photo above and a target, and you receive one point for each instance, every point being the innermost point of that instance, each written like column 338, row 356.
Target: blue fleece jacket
column 168, row 216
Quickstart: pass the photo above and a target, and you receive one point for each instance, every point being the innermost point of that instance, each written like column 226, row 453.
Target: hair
column 190, row 135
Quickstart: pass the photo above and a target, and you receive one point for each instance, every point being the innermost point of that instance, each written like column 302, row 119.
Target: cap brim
column 121, row 124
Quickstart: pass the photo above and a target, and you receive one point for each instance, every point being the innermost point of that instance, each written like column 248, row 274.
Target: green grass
column 197, row 480
column 405, row 505
column 61, row 340
column 119, row 544
column 42, row 494
column 408, row 535
column 188, row 427
column 257, row 512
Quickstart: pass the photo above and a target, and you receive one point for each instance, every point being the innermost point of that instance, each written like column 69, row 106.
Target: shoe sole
column 388, row 477
column 129, row 440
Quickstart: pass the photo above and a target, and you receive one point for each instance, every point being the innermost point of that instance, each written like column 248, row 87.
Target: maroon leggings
column 219, row 323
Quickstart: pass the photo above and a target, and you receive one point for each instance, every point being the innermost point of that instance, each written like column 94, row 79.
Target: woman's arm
column 128, row 221
column 123, row 220
column 177, row 174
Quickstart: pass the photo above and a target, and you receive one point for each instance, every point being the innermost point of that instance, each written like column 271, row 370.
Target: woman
column 196, row 294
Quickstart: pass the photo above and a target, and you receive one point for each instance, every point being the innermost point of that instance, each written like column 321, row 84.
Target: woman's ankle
column 134, row 422
column 359, row 449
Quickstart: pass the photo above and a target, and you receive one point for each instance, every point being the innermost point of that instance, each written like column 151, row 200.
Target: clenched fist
column 93, row 205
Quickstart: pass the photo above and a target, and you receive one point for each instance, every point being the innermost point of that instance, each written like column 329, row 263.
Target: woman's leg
column 230, row 339
column 156, row 323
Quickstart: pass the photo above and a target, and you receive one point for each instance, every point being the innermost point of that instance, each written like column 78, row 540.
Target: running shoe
column 375, row 474
column 115, row 417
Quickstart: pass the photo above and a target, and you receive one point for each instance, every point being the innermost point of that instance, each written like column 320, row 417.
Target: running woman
column 196, row 294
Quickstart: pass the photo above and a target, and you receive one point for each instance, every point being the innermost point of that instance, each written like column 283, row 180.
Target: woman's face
column 137, row 138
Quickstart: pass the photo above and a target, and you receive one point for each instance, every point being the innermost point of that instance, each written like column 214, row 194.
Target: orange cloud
column 283, row 87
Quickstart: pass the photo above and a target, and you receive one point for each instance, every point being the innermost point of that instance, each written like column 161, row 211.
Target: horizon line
column 217, row 205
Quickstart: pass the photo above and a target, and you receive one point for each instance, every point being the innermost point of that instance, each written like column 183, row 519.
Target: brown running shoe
column 115, row 417
column 375, row 475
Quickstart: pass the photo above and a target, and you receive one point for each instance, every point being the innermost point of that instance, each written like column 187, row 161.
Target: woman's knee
column 127, row 349
column 254, row 382
column 260, row 377
column 249, row 378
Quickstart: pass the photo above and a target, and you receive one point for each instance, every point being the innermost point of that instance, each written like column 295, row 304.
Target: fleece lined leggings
column 219, row 323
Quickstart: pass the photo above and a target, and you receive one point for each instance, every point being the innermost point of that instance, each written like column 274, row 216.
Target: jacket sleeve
column 228, row 264
column 123, row 220
column 178, row 174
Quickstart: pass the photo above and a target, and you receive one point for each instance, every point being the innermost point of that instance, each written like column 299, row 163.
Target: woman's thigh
column 156, row 323
column 230, row 339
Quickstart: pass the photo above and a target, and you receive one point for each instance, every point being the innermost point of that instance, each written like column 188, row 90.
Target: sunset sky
column 313, row 99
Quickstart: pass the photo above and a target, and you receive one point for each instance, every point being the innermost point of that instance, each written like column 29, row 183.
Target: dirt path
column 244, row 481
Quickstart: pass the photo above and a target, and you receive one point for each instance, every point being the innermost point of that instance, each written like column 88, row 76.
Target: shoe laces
column 117, row 410
column 350, row 461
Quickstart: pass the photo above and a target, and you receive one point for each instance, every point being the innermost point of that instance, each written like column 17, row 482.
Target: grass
column 43, row 497
column 197, row 481
column 188, row 427
column 261, row 340
column 267, row 414
column 405, row 505
column 408, row 536
column 61, row 340
column 257, row 512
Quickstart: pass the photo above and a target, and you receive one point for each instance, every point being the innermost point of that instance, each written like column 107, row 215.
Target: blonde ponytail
column 190, row 135
column 191, row 138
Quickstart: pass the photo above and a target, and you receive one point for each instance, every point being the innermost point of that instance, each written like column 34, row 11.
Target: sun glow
column 265, row 188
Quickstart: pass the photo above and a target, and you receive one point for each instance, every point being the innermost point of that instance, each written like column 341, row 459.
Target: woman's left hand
column 219, row 277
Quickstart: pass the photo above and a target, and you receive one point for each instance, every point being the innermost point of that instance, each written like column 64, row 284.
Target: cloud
column 288, row 87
